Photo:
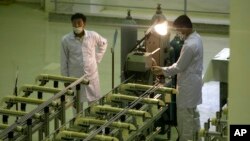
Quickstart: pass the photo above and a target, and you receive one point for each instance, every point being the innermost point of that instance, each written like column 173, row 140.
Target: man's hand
column 157, row 70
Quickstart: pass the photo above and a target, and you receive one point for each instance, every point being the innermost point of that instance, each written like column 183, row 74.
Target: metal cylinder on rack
column 128, row 39
column 157, row 41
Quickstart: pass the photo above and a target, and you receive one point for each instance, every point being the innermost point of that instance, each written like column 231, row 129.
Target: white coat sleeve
column 101, row 47
column 181, row 64
column 64, row 59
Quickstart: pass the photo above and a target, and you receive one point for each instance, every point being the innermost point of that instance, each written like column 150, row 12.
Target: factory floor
column 30, row 45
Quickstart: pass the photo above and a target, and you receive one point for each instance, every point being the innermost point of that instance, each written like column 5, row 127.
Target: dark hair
column 78, row 16
column 183, row 21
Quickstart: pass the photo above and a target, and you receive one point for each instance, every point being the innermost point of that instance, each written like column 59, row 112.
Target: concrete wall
column 193, row 5
column 239, row 67
column 86, row 6
column 32, row 1
column 83, row 6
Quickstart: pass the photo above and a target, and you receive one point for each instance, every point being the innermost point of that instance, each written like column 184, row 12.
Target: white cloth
column 188, row 120
column 80, row 57
column 189, row 72
column 217, row 69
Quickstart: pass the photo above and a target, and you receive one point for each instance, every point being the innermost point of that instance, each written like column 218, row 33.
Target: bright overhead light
column 161, row 28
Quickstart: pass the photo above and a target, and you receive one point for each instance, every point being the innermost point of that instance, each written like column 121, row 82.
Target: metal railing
column 26, row 120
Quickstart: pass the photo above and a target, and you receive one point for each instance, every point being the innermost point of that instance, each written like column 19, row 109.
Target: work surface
column 218, row 67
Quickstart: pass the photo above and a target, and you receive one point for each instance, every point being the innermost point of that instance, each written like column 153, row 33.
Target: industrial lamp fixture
column 160, row 28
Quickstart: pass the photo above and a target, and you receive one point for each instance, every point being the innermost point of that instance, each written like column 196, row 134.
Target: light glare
column 161, row 28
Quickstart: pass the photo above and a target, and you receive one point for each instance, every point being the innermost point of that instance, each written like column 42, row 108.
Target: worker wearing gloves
column 188, row 68
column 80, row 52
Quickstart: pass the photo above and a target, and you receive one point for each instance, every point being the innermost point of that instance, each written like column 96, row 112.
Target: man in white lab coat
column 188, row 68
column 81, row 51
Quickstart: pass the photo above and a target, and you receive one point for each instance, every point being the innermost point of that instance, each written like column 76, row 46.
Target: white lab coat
column 189, row 85
column 189, row 72
column 80, row 57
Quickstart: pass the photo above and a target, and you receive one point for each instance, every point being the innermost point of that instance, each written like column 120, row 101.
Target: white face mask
column 77, row 30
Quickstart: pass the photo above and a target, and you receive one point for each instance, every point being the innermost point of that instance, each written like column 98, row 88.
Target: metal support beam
column 29, row 130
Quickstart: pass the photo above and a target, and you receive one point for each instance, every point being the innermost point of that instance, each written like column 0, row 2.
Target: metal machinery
column 126, row 113
column 220, row 123
column 129, row 112
column 152, row 49
column 36, row 112
column 128, row 40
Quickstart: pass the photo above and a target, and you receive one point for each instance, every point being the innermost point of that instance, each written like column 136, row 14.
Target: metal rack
column 126, row 113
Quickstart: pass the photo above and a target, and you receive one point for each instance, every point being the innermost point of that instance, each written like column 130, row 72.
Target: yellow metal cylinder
column 44, row 89
column 120, row 97
column 162, row 90
column 81, row 135
column 59, row 78
column 18, row 128
column 12, row 112
column 107, row 108
column 15, row 99
column 88, row 121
